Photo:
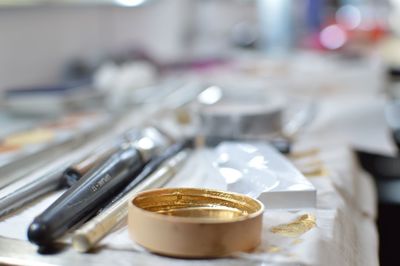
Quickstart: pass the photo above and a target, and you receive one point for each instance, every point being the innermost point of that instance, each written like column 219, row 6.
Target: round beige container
column 195, row 223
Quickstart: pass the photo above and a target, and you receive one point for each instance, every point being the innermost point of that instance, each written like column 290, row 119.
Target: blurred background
column 48, row 42
column 61, row 57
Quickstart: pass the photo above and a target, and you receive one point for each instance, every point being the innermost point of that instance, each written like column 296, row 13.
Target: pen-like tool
column 97, row 228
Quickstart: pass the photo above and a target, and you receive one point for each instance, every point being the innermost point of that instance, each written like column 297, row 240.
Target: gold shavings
column 316, row 172
column 314, row 168
column 314, row 163
column 297, row 241
column 199, row 141
column 296, row 228
column 305, row 153
column 291, row 255
column 183, row 116
column 274, row 249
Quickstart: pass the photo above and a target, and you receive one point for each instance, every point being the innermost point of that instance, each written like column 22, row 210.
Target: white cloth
column 343, row 224
column 345, row 234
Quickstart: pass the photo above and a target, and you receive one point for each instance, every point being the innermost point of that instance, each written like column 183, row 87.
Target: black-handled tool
column 93, row 190
column 152, row 166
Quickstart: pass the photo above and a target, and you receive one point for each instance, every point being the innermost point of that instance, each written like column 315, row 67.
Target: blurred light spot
column 257, row 162
column 130, row 3
column 349, row 16
column 333, row 37
column 231, row 175
column 248, row 148
column 368, row 21
column 223, row 158
column 210, row 95
column 145, row 143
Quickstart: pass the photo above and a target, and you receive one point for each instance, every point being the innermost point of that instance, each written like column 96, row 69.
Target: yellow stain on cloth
column 296, row 228
column 34, row 136
column 297, row 241
column 313, row 152
column 183, row 116
column 308, row 163
column 315, row 172
column 274, row 249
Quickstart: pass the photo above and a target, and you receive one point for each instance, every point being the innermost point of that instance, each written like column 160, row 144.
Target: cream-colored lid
column 192, row 222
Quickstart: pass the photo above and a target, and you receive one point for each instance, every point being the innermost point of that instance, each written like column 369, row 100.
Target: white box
column 258, row 170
